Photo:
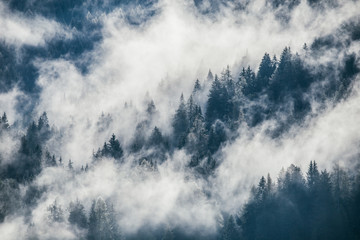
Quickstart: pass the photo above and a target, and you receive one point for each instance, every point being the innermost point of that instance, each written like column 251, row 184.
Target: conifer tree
column 70, row 165
column 56, row 213
column 77, row 215
column 156, row 138
column 210, row 76
column 4, row 123
column 219, row 105
column 312, row 175
column 180, row 124
column 230, row 231
column 266, row 70
column 102, row 223
column 197, row 87
column 115, row 148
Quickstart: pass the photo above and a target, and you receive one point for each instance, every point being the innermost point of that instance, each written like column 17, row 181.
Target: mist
column 155, row 51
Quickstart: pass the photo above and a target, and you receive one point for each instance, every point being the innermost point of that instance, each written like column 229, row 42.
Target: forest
column 166, row 164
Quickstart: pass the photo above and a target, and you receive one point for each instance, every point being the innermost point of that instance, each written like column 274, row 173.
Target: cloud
column 163, row 56
column 329, row 138
column 13, row 229
column 141, row 197
column 25, row 29
column 8, row 105
column 8, row 102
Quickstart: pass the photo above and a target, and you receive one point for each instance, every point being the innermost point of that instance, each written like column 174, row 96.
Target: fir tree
column 4, row 123
column 197, row 87
column 77, row 215
column 180, row 124
column 56, row 214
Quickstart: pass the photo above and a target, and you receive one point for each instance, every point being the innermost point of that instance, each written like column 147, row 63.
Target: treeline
column 279, row 91
column 293, row 208
column 319, row 205
column 312, row 205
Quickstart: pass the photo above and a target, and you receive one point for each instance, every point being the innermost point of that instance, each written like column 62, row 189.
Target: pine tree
column 4, row 124
column 197, row 138
column 219, row 105
column 269, row 185
column 266, row 70
column 43, row 122
column 70, row 165
column 226, row 75
column 197, row 87
column 115, row 148
column 294, row 182
column 112, row 149
column 102, row 223
column 32, row 135
column 56, row 214
column 103, row 122
column 250, row 87
column 151, row 108
column 340, row 186
column 77, row 215
column 180, row 124
column 10, row 198
column 156, row 138
column 192, row 111
column 261, row 189
column 210, row 76
column 43, row 128
column 312, row 175
column 139, row 139
column 230, row 231
column 283, row 78
column 228, row 83
column 217, row 135
column 50, row 161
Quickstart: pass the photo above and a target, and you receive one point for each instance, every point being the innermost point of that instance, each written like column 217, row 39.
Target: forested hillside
column 120, row 120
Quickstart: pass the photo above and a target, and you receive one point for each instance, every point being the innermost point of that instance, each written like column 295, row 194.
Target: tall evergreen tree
column 151, row 108
column 156, row 138
column 70, row 165
column 112, row 149
column 266, row 70
column 283, row 79
column 230, row 231
column 250, row 87
column 77, row 215
column 269, row 185
column 217, row 135
column 261, row 189
column 4, row 123
column 220, row 105
column 56, row 213
column 210, row 76
column 139, row 138
column 116, row 150
column 312, row 175
column 197, row 87
column 102, row 224
column 180, row 124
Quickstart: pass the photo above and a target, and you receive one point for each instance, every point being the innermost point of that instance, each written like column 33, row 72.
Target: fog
column 159, row 59
column 164, row 56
